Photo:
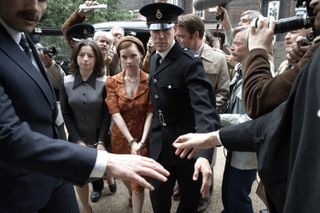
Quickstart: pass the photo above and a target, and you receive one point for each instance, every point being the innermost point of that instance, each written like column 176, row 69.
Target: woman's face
column 130, row 57
column 86, row 59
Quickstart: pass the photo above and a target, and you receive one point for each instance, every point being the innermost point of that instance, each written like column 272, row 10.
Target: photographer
column 261, row 91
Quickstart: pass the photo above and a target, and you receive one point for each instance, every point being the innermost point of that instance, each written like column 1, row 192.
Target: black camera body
column 50, row 51
column 304, row 18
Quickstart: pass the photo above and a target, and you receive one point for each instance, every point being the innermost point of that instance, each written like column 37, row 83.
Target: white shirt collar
column 16, row 35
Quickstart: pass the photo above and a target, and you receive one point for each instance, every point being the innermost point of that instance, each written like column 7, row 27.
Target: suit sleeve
column 20, row 147
column 203, row 103
column 253, row 135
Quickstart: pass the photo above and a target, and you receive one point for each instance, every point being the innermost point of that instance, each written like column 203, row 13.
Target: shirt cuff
column 218, row 138
column 100, row 166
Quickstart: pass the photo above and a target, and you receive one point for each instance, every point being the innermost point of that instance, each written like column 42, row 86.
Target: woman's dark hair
column 99, row 66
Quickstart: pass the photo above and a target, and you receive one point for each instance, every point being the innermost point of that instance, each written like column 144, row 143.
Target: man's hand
column 261, row 34
column 82, row 12
column 225, row 21
column 134, row 167
column 190, row 143
column 45, row 58
column 202, row 166
column 297, row 50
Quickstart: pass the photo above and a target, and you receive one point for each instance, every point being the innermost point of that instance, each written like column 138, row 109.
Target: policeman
column 183, row 101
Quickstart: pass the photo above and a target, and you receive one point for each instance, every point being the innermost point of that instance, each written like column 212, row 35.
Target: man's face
column 104, row 43
column 22, row 15
column 244, row 20
column 292, row 36
column 117, row 34
column 239, row 47
column 162, row 39
column 315, row 4
column 185, row 38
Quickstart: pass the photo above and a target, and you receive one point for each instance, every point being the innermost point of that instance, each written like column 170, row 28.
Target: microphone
column 204, row 4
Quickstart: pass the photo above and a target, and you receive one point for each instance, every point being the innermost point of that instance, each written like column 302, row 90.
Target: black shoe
column 95, row 196
column 113, row 187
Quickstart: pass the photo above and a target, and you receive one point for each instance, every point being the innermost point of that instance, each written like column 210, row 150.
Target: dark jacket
column 287, row 141
column 27, row 117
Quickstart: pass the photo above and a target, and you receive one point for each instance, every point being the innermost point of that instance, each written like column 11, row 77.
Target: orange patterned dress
column 133, row 110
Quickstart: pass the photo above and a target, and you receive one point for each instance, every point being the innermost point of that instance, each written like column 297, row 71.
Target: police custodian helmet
column 161, row 16
column 80, row 31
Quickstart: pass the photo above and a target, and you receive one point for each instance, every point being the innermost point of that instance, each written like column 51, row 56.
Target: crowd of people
column 153, row 115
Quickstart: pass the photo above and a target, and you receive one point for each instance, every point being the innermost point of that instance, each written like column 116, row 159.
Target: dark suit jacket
column 27, row 115
column 287, row 142
column 182, row 91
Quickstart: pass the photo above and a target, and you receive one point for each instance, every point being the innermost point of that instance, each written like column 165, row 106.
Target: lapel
column 13, row 51
column 142, row 87
column 170, row 58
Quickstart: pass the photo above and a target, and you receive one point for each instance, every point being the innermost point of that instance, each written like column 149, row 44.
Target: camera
column 293, row 23
column 50, row 51
column 304, row 18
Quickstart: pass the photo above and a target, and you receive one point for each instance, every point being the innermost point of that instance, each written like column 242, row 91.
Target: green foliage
column 59, row 10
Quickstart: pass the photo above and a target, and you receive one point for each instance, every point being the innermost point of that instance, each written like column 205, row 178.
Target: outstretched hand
column 190, row 143
column 135, row 167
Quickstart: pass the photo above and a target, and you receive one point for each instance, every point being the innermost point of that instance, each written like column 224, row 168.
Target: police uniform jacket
column 183, row 101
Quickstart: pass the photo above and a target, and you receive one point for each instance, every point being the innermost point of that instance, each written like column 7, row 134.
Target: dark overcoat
column 287, row 142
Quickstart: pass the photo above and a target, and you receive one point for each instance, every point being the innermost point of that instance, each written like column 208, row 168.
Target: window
column 173, row 2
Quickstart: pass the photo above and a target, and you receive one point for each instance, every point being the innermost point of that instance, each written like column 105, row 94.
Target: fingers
column 195, row 175
column 192, row 153
column 202, row 166
column 141, row 181
column 206, row 182
column 295, row 53
column 134, row 167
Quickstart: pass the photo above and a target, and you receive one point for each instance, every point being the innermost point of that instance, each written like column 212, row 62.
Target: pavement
column 119, row 202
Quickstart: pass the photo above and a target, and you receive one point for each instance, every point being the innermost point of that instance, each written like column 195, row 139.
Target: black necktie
column 158, row 58
column 25, row 45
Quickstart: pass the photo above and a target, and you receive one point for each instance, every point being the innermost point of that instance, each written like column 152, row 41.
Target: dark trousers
column 62, row 200
column 182, row 171
column 37, row 193
column 97, row 185
column 236, row 187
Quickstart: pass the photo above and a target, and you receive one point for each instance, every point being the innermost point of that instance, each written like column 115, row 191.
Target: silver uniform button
column 155, row 80
column 169, row 86
column 156, row 96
